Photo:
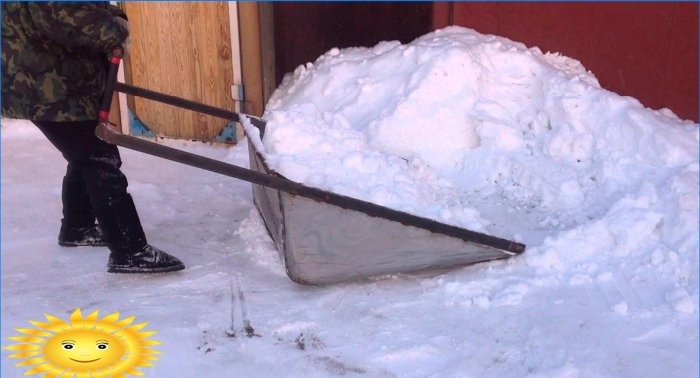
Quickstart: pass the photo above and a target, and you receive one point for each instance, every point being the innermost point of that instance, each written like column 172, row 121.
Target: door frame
column 251, row 26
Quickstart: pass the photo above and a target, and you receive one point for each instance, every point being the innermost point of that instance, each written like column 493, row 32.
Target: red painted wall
column 645, row 50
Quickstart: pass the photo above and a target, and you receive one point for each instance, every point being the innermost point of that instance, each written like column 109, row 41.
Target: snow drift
column 487, row 134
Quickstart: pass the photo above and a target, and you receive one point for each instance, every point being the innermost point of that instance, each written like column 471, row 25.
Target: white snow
column 472, row 130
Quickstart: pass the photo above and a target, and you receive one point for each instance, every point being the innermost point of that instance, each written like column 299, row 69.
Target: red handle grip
column 114, row 61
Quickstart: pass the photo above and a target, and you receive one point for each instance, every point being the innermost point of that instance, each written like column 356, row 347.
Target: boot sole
column 131, row 269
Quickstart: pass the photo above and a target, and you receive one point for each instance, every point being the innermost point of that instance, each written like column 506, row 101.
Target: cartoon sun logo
column 87, row 347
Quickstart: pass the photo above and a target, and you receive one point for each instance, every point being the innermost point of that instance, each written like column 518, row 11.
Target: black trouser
column 94, row 185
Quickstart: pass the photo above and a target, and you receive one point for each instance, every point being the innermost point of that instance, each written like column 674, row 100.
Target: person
column 54, row 71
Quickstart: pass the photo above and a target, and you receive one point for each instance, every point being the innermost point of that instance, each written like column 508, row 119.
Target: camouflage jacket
column 54, row 58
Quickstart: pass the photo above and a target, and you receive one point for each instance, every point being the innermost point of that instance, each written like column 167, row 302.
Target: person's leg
column 117, row 215
column 77, row 211
column 98, row 164
column 78, row 226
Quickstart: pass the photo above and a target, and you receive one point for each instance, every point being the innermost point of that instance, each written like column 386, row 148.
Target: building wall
column 304, row 31
column 647, row 50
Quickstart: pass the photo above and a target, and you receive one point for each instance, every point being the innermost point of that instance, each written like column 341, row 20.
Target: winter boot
column 70, row 236
column 148, row 260
column 130, row 253
column 78, row 226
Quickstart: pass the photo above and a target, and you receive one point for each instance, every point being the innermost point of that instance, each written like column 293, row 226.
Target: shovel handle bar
column 117, row 54
column 187, row 104
column 107, row 134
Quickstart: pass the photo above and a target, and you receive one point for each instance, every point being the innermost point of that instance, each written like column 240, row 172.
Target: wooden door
column 182, row 49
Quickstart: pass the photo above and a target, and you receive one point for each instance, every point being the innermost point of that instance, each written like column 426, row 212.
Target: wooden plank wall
column 647, row 50
column 182, row 49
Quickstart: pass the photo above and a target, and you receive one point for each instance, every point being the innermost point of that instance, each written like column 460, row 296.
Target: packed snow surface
column 468, row 129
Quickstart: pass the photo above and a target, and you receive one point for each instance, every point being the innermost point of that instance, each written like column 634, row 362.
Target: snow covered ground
column 603, row 191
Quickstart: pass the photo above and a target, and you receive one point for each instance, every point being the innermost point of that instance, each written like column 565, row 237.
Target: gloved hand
column 126, row 45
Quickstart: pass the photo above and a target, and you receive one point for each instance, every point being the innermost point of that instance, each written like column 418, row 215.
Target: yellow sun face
column 87, row 347
column 83, row 349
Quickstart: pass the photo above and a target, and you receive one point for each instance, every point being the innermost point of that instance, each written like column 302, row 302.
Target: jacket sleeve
column 78, row 24
column 116, row 11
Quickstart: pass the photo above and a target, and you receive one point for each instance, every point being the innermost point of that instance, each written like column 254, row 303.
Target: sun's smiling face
column 84, row 349
column 87, row 346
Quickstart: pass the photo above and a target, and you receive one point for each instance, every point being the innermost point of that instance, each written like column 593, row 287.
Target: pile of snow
column 457, row 117
column 484, row 133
